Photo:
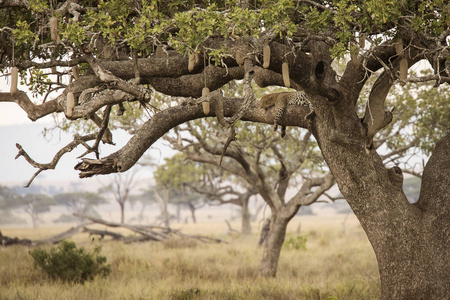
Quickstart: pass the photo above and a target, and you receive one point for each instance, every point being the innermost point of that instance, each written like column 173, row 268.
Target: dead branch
column 52, row 165
column 61, row 236
column 7, row 241
column 230, row 229
column 103, row 233
column 149, row 232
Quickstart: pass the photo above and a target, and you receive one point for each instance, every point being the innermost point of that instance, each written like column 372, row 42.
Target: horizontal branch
column 165, row 120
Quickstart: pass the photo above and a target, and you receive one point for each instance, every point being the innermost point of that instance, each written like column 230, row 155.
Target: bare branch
column 51, row 166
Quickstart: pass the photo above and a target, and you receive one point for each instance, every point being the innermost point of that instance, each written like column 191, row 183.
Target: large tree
column 126, row 48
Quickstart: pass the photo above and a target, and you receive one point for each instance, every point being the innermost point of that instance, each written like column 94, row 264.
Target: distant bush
column 296, row 243
column 71, row 264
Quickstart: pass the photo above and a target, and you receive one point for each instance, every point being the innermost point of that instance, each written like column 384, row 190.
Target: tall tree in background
column 9, row 200
column 34, row 205
column 122, row 48
column 121, row 187
column 173, row 179
column 189, row 181
column 269, row 166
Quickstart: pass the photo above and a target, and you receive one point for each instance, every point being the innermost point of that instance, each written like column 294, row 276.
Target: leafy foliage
column 71, row 264
column 295, row 242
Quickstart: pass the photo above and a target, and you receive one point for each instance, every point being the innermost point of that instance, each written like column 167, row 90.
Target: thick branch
column 163, row 121
column 376, row 117
column 34, row 111
column 306, row 196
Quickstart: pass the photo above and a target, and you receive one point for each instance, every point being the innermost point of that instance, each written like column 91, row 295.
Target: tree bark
column 410, row 240
column 273, row 245
column 246, row 217
column 122, row 212
column 192, row 210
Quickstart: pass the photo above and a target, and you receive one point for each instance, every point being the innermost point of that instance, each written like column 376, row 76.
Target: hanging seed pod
column 70, row 103
column 76, row 72
column 191, row 62
column 285, row 72
column 159, row 52
column 398, row 44
column 355, row 59
column 403, row 71
column 240, row 58
column 362, row 41
column 266, row 56
column 14, row 80
column 54, row 28
column 205, row 104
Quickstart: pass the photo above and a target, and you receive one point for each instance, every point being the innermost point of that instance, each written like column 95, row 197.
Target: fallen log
column 61, row 236
column 103, row 233
column 154, row 233
column 7, row 241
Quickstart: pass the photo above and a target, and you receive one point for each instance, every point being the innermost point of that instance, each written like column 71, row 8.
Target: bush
column 71, row 264
column 297, row 243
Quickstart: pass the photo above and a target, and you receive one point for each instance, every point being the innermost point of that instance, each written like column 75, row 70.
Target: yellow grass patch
column 334, row 264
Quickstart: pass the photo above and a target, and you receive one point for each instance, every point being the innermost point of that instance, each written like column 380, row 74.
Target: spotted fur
column 281, row 101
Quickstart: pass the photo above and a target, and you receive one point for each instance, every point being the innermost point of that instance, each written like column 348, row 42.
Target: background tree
column 151, row 42
column 80, row 203
column 269, row 166
column 34, row 205
column 9, row 201
column 197, row 181
column 121, row 187
column 173, row 179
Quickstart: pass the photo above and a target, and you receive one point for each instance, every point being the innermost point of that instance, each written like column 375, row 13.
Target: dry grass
column 334, row 266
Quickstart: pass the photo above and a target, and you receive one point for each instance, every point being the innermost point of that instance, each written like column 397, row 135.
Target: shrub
column 71, row 264
column 296, row 243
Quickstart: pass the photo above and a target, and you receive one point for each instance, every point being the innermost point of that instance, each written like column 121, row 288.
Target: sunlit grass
column 334, row 264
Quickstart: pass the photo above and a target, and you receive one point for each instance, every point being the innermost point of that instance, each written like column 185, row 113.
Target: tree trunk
column 410, row 240
column 163, row 202
column 246, row 222
column 192, row 209
column 273, row 245
column 122, row 212
column 178, row 213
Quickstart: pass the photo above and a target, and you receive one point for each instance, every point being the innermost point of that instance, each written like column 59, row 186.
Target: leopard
column 281, row 101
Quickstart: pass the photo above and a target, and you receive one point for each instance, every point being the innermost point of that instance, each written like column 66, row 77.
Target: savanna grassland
column 335, row 265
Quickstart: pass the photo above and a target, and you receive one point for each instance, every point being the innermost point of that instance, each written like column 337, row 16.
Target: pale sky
column 16, row 127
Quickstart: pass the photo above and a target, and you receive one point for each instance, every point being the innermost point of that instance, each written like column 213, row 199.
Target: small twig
column 102, row 130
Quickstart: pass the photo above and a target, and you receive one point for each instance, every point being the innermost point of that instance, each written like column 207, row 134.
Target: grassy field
column 335, row 265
